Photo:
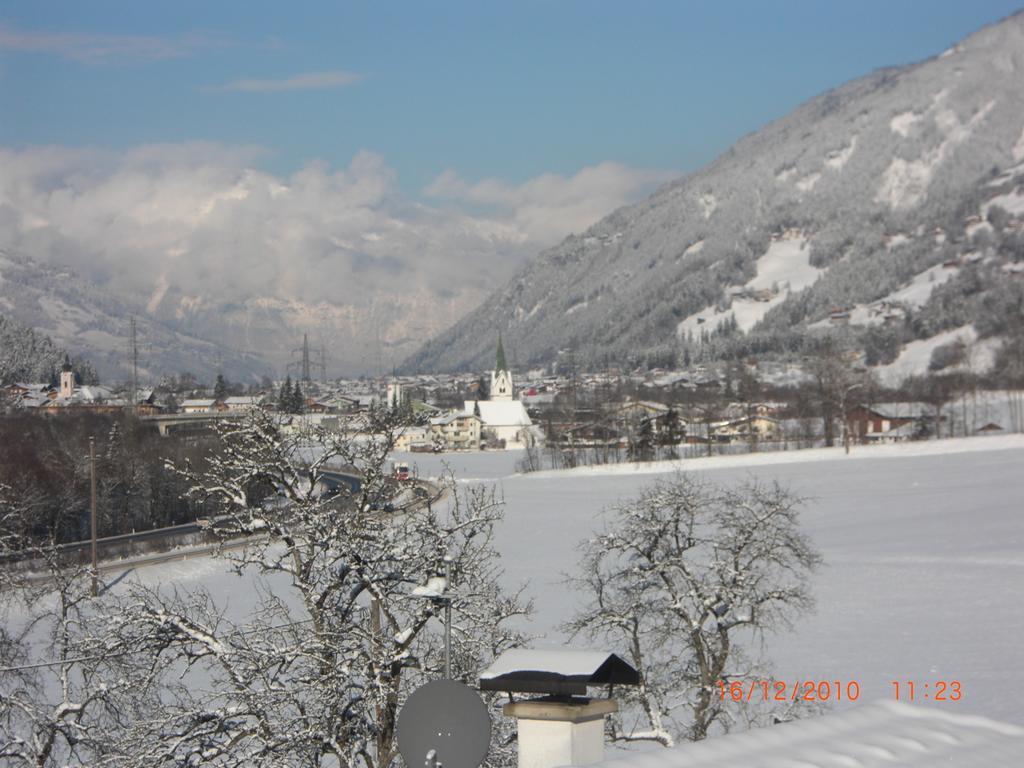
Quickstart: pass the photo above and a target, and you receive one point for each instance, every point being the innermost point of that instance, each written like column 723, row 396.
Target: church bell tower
column 501, row 376
column 67, row 379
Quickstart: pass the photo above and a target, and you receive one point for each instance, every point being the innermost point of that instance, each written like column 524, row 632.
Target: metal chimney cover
column 556, row 671
column 449, row 718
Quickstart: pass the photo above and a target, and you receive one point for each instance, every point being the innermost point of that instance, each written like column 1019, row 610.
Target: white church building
column 503, row 416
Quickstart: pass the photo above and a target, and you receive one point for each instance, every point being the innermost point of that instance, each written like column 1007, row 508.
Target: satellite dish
column 448, row 719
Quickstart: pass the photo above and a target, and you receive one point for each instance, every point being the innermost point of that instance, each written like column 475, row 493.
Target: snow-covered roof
column 886, row 733
column 197, row 403
column 448, row 418
column 93, row 393
column 500, row 413
column 902, row 410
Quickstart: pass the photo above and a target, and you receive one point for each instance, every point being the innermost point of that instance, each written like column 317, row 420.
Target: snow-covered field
column 923, row 542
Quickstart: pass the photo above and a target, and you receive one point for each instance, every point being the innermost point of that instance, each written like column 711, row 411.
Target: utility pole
column 92, row 515
column 305, row 358
column 448, row 618
column 134, row 405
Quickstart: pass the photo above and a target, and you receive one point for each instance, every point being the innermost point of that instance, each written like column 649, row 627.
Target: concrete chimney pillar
column 555, row 732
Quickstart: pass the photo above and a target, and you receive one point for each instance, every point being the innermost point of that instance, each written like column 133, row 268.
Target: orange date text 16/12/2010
column 784, row 690
column 934, row 690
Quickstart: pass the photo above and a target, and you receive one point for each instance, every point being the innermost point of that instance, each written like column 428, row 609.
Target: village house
column 242, row 403
column 456, row 431
column 890, row 422
column 748, row 428
column 414, row 439
column 202, row 405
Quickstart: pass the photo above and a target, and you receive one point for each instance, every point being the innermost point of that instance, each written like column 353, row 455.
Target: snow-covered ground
column 914, row 294
column 917, row 292
column 785, row 266
column 915, row 357
column 923, row 543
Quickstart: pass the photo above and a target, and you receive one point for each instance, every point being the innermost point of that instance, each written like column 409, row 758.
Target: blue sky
column 489, row 90
column 390, row 161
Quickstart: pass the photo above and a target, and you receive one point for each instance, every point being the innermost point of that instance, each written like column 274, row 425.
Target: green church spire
column 500, row 364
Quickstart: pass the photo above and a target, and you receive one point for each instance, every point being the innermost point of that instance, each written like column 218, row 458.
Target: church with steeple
column 504, row 417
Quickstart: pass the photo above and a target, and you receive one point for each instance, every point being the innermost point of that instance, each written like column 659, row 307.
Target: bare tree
column 317, row 674
column 682, row 575
column 63, row 710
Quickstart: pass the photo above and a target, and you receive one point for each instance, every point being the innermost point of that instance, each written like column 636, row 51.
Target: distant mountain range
column 94, row 324
column 890, row 209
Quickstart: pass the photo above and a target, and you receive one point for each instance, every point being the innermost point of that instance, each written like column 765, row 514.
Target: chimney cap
column 557, row 672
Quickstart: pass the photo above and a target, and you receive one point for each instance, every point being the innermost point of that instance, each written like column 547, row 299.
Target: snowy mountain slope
column 864, row 188
column 94, row 324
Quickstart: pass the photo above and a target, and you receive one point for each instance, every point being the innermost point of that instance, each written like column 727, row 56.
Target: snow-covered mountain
column 94, row 324
column 891, row 207
column 356, row 337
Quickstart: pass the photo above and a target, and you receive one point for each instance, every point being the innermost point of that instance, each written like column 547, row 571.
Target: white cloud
column 202, row 220
column 551, row 206
column 308, row 81
column 186, row 226
column 95, row 48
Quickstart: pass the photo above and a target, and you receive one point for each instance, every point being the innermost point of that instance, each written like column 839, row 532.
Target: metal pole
column 448, row 618
column 92, row 515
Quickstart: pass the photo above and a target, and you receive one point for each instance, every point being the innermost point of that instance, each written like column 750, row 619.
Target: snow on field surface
column 923, row 543
column 785, row 266
column 916, row 355
column 884, row 733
